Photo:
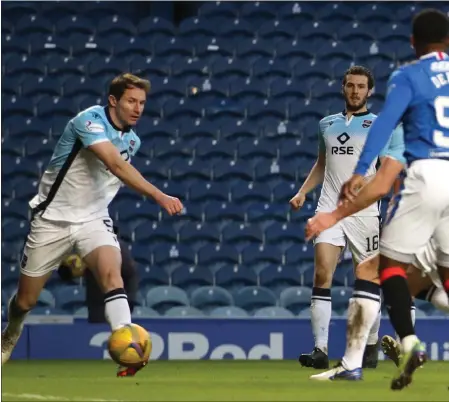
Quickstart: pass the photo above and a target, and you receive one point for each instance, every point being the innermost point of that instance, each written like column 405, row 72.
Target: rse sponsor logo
column 196, row 346
column 343, row 139
column 94, row 127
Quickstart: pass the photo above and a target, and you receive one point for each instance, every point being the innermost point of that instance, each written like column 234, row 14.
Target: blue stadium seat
column 12, row 106
column 173, row 47
column 162, row 298
column 252, row 298
column 299, row 253
column 273, row 312
column 375, row 13
column 91, row 49
column 52, row 106
column 155, row 169
column 279, row 277
column 155, row 233
column 14, row 229
column 154, row 129
column 209, row 148
column 295, row 299
column 174, row 189
column 196, row 28
column 25, row 188
column 152, row 275
column 70, row 298
column 237, row 30
column 278, row 31
column 307, row 270
column 10, row 272
column 33, row 86
column 257, row 12
column 285, row 234
column 306, row 212
column 199, row 233
column 142, row 254
column 275, row 172
column 11, row 86
column 196, row 129
column 33, row 24
column 334, row 51
column 250, row 192
column 191, row 213
column 216, row 211
column 340, row 297
column 191, row 278
column 15, row 10
column 83, row 86
column 232, row 170
column 207, row 298
column 140, row 62
column 173, row 256
column 256, row 148
column 228, row 312
column 155, row 27
column 239, row 233
column 13, row 147
column 186, row 171
column 178, row 108
column 235, row 277
column 238, row 130
column 168, row 86
column 218, row 8
column 98, row 10
column 261, row 108
column 342, row 273
column 257, row 255
column 200, row 192
column 393, row 31
column 196, row 68
column 353, row 31
column 50, row 47
column 230, row 68
column 115, row 27
column 252, row 49
column 212, row 49
column 101, row 66
column 297, row 12
column 184, row 311
column 283, row 192
column 260, row 212
column 39, row 149
column 219, row 254
column 166, row 150
column 316, row 30
column 46, row 310
column 15, row 46
column 245, row 90
column 16, row 209
column 144, row 312
column 74, row 24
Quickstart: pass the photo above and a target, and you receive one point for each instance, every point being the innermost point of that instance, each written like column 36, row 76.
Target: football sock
column 397, row 300
column 16, row 315
column 436, row 296
column 413, row 316
column 373, row 336
column 117, row 308
column 321, row 311
column 363, row 311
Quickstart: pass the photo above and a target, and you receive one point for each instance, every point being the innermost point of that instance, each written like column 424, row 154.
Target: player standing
column 418, row 94
column 341, row 139
column 89, row 163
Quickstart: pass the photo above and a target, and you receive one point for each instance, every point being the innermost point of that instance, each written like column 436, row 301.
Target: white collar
column 436, row 55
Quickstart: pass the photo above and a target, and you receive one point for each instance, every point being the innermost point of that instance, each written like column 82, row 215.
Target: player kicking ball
column 89, row 163
column 341, row 140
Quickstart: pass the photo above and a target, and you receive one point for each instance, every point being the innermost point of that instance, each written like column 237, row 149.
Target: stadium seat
column 238, row 130
column 279, row 277
column 171, row 256
column 239, row 234
column 218, row 8
column 173, row 47
column 152, row 275
column 257, row 12
column 46, row 310
column 212, row 49
column 216, row 211
column 219, row 254
column 232, row 170
column 93, row 49
column 191, row 278
column 196, row 28
column 259, row 254
column 191, row 171
column 273, row 312
column 70, row 298
column 252, row 49
column 237, row 30
column 252, row 298
column 285, row 234
column 228, row 312
column 295, row 299
column 155, row 27
column 14, row 229
column 250, row 192
column 115, row 28
column 171, row 150
column 200, row 192
column 74, row 24
column 199, row 233
column 156, row 233
column 299, row 253
column 235, row 277
column 33, row 24
column 340, row 298
column 266, row 212
column 144, row 312
column 162, row 298
column 207, row 298
column 184, row 312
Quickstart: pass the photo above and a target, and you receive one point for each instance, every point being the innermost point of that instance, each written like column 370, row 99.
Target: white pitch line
column 39, row 397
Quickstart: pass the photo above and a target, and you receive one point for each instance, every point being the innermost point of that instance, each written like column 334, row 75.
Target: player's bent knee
column 322, row 277
column 368, row 270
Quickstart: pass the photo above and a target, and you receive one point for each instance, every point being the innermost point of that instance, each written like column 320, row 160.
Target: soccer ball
column 130, row 346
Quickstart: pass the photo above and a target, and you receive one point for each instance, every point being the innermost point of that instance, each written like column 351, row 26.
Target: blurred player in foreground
column 418, row 95
column 428, row 287
column 341, row 139
column 89, row 163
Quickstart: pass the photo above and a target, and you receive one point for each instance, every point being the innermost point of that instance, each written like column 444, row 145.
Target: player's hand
column 351, row 188
column 171, row 204
column 297, row 201
column 320, row 222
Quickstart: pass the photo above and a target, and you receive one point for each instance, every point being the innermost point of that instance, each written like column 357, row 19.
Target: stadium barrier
column 193, row 339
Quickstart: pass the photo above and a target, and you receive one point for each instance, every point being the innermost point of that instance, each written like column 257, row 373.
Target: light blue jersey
column 342, row 141
column 76, row 186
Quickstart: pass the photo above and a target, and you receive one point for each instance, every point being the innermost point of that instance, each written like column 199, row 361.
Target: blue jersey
column 418, row 95
column 77, row 186
column 342, row 141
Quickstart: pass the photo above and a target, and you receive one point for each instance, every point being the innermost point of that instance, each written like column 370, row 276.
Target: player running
column 341, row 139
column 418, row 94
column 428, row 287
column 89, row 163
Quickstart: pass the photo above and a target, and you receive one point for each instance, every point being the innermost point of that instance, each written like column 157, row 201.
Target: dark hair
column 360, row 70
column 430, row 26
column 126, row 81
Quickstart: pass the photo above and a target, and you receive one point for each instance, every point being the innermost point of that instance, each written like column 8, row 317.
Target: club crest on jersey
column 367, row 123
column 94, row 127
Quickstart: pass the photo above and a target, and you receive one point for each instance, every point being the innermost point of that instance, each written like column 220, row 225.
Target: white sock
column 321, row 311
column 362, row 313
column 438, row 297
column 373, row 336
column 408, row 342
column 117, row 308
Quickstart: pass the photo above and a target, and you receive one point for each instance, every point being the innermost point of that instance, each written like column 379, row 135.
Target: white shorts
column 425, row 261
column 359, row 233
column 421, row 212
column 49, row 242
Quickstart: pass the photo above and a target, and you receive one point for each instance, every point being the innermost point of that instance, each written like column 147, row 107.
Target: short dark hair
column 430, row 26
column 126, row 81
column 360, row 70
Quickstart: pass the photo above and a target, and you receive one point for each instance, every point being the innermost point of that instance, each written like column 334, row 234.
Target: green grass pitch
column 210, row 381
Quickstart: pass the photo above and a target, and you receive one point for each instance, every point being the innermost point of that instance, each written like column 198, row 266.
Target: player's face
column 356, row 91
column 130, row 106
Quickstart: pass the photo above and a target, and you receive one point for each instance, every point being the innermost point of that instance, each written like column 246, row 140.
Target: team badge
column 367, row 123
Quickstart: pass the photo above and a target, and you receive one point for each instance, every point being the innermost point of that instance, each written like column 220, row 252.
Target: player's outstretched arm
column 315, row 178
column 371, row 192
column 110, row 156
